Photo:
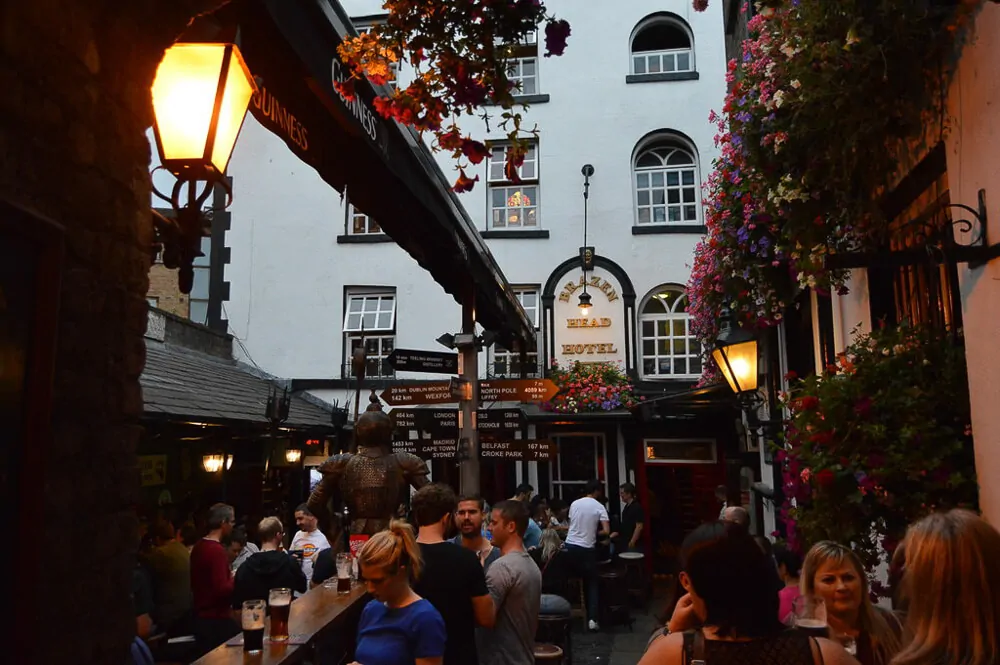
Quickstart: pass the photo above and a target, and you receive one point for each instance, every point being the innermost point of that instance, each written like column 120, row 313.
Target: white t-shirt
column 585, row 517
column 311, row 544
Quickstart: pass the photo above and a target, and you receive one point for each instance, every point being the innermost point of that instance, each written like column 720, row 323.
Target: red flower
column 825, row 478
column 464, row 182
column 809, row 403
column 476, row 151
column 700, row 5
column 556, row 34
column 451, row 140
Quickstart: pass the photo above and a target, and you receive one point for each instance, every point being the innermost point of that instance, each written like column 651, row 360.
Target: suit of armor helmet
column 369, row 483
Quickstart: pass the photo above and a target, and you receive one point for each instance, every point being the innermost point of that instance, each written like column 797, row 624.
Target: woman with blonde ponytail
column 398, row 627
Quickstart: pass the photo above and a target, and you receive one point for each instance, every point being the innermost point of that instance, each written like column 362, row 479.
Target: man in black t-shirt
column 626, row 539
column 452, row 578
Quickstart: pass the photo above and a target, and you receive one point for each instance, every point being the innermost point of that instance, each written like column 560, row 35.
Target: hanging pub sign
column 598, row 336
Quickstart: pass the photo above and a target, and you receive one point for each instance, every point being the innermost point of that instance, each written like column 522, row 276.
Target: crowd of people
column 947, row 573
column 472, row 578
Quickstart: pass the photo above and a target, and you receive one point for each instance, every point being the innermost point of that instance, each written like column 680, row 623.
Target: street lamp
column 586, row 252
column 213, row 463
column 293, row 455
column 736, row 356
column 200, row 98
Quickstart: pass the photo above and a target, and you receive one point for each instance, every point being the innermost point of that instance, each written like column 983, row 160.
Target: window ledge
column 363, row 239
column 661, row 77
column 516, row 233
column 654, row 229
column 531, row 99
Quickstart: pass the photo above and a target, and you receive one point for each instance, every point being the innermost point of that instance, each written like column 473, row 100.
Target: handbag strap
column 694, row 647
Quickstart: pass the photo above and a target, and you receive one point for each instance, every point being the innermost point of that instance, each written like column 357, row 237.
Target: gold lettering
column 564, row 297
column 594, row 281
column 567, row 349
column 605, row 323
column 578, row 348
column 572, row 323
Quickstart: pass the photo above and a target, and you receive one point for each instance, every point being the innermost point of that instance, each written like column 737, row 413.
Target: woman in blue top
column 398, row 627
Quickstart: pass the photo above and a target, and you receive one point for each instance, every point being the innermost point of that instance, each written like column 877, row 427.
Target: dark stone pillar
column 74, row 110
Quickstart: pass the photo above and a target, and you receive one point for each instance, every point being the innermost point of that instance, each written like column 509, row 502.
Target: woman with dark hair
column 729, row 614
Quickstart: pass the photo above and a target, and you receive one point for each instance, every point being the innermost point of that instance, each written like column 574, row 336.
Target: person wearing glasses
column 398, row 627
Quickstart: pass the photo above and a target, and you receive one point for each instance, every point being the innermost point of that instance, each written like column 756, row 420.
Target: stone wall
column 75, row 105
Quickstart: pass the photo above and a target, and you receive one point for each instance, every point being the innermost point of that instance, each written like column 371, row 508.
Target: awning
column 181, row 384
column 386, row 169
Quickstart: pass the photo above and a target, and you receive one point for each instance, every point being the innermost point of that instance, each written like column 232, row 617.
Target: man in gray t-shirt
column 515, row 583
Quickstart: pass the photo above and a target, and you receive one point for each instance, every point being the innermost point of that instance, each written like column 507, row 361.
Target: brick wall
column 75, row 105
column 163, row 287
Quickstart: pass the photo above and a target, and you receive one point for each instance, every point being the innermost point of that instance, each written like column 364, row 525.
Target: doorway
column 580, row 459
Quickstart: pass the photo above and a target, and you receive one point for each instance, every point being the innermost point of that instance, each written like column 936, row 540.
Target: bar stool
column 548, row 654
column 556, row 630
column 635, row 576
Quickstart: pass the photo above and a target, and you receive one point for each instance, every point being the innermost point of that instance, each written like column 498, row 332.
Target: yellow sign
column 581, row 349
column 152, row 470
column 602, row 285
column 588, row 323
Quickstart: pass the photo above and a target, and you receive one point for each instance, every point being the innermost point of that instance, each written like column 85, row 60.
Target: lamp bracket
column 178, row 238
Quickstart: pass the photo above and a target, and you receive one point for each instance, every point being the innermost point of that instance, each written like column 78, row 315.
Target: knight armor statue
column 370, row 484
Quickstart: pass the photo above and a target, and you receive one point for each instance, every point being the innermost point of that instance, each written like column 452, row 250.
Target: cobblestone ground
column 613, row 646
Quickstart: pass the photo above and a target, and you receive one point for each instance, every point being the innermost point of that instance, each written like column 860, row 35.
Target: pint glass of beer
column 253, row 625
column 279, row 600
column 343, row 573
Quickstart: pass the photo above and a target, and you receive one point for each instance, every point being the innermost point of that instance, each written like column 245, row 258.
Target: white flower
column 796, row 84
column 779, row 98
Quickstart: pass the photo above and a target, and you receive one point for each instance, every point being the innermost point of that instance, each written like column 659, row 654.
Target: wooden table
column 314, row 615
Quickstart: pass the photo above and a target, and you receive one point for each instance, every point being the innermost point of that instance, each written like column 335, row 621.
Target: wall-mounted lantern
column 213, row 463
column 200, row 98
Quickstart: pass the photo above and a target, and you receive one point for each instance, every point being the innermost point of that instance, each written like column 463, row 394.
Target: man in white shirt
column 587, row 519
column 309, row 540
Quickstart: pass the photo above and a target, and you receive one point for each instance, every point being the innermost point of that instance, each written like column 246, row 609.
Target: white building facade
column 309, row 274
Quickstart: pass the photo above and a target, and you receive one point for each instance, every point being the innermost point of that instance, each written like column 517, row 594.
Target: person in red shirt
column 212, row 582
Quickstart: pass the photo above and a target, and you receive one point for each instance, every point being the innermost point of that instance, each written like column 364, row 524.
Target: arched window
column 669, row 351
column 666, row 184
column 662, row 44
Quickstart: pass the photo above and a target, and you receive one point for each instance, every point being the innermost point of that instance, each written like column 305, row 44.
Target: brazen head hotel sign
column 598, row 337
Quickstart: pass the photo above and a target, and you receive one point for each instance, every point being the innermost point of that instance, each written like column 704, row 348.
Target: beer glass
column 343, row 573
column 253, row 625
column 279, row 600
column 810, row 616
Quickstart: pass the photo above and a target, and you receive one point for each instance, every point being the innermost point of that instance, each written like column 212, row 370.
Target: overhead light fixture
column 293, row 455
column 736, row 355
column 585, row 303
column 213, row 463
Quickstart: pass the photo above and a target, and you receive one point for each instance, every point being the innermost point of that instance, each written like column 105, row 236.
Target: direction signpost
column 438, row 392
column 527, row 450
column 434, row 362
column 517, row 390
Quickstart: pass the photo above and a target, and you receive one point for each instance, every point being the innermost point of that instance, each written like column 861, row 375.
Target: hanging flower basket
column 591, row 387
column 877, row 441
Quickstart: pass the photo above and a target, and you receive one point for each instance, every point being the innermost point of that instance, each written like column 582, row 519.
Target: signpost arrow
column 436, row 362
column 517, row 390
column 424, row 393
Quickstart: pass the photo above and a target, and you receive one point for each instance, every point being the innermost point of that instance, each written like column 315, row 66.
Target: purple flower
column 556, row 34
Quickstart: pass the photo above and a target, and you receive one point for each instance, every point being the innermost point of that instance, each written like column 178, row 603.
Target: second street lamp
column 736, row 356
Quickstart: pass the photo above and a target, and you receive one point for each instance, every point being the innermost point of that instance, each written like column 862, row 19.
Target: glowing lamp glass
column 738, row 363
column 213, row 463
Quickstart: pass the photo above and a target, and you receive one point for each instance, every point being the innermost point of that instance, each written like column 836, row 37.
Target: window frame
column 363, row 296
column 353, row 212
column 520, row 61
column 649, row 22
column 661, row 142
column 502, row 182
column 669, row 317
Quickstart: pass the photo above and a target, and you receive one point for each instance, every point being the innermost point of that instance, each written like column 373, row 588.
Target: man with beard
column 469, row 522
column 515, row 583
column 450, row 579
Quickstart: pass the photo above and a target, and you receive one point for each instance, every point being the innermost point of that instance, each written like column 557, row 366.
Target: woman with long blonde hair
column 951, row 582
column 398, row 627
column 835, row 574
